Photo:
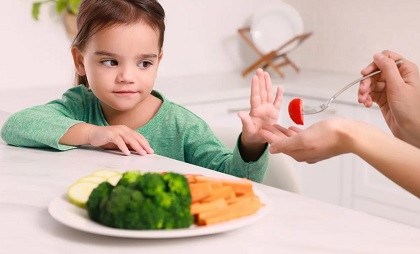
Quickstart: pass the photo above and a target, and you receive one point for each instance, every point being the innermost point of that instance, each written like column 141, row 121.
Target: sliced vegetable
column 295, row 110
column 79, row 192
column 114, row 179
column 92, row 179
column 106, row 173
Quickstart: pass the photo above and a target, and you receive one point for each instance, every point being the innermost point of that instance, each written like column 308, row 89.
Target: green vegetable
column 95, row 198
column 142, row 201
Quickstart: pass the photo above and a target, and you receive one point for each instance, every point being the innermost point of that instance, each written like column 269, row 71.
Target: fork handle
column 398, row 63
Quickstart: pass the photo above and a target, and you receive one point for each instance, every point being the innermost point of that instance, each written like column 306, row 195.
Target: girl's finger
column 279, row 98
column 262, row 85
column 143, row 143
column 119, row 142
column 255, row 98
column 268, row 87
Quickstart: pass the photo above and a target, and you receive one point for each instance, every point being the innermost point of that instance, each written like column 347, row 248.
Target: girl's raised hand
column 118, row 137
column 265, row 108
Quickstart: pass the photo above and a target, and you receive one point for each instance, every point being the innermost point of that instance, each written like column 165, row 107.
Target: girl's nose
column 125, row 75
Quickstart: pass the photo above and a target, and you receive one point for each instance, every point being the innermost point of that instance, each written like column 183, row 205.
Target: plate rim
column 60, row 207
column 284, row 9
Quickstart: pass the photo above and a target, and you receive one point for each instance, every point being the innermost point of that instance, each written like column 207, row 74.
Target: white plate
column 70, row 215
column 273, row 26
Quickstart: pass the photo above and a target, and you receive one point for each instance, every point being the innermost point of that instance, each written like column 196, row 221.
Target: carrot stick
column 209, row 206
column 241, row 198
column 229, row 216
column 233, row 211
column 200, row 191
column 225, row 192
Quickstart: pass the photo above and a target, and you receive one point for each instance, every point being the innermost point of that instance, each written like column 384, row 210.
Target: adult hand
column 397, row 92
column 320, row 141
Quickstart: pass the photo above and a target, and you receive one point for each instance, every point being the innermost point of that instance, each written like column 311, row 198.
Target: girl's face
column 121, row 63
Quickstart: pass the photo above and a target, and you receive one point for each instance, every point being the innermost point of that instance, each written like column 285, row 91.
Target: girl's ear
column 78, row 61
column 160, row 56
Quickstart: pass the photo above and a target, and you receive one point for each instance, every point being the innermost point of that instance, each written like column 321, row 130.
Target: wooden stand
column 272, row 57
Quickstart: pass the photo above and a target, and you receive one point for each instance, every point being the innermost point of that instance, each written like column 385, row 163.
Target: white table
column 30, row 179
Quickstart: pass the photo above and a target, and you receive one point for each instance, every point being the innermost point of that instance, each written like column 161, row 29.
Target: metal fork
column 322, row 107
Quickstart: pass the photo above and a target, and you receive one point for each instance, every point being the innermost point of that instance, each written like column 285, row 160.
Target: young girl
column 116, row 54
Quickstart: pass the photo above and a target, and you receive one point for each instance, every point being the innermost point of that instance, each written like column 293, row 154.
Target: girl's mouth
column 124, row 92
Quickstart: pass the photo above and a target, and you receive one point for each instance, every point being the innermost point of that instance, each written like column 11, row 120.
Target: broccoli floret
column 98, row 194
column 151, row 184
column 121, row 208
column 129, row 178
column 152, row 216
column 177, row 184
column 181, row 207
column 144, row 201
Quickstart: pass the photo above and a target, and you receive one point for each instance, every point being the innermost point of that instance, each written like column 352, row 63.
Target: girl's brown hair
column 95, row 15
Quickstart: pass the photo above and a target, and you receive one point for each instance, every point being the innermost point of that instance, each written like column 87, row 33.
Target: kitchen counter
column 32, row 178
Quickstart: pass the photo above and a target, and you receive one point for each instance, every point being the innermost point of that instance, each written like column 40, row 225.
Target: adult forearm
column 396, row 159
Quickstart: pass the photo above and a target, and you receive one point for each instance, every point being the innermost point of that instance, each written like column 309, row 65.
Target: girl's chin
column 121, row 107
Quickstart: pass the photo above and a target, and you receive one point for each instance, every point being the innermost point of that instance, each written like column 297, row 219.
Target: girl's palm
column 265, row 107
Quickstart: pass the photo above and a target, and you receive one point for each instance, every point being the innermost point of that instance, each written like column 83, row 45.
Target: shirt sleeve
column 43, row 126
column 209, row 152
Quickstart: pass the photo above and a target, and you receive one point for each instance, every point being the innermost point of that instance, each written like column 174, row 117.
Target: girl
column 116, row 53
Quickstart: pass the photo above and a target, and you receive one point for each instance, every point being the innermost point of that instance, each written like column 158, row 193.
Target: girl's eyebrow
column 105, row 53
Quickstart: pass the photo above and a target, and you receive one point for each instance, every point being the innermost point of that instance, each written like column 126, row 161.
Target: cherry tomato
column 295, row 110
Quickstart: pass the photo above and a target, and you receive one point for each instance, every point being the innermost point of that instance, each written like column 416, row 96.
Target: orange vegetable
column 217, row 200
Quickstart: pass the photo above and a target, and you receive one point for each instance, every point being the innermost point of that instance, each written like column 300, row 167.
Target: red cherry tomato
column 295, row 110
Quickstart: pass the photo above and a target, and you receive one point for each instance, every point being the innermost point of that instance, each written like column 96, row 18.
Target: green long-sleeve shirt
column 174, row 132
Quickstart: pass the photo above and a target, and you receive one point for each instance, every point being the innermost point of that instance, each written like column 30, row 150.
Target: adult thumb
column 389, row 70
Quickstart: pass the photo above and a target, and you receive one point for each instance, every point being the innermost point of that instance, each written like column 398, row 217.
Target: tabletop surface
column 32, row 178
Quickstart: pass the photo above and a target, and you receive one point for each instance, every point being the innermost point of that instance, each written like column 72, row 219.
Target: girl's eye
column 109, row 63
column 144, row 64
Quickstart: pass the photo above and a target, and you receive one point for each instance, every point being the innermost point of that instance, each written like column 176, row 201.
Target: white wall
column 32, row 53
column 348, row 32
column 202, row 37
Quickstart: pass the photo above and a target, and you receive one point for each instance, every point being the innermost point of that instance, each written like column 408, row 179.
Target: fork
column 322, row 107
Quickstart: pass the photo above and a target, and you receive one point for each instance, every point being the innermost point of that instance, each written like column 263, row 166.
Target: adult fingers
column 373, row 66
column 288, row 145
column 389, row 69
column 295, row 129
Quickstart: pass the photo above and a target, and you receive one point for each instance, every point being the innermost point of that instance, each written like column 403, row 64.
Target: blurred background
column 202, row 38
